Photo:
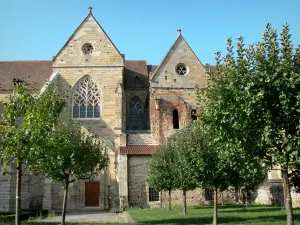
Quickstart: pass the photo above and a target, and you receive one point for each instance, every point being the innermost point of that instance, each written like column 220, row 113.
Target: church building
column 129, row 104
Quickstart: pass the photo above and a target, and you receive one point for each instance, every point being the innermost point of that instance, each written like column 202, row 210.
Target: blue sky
column 141, row 29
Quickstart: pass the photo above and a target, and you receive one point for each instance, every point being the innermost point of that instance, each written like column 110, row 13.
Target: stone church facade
column 131, row 106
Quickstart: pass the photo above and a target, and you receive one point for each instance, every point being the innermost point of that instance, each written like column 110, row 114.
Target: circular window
column 181, row 69
column 87, row 49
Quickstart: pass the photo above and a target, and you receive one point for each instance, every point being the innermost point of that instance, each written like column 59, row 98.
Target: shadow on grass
column 250, row 209
column 277, row 219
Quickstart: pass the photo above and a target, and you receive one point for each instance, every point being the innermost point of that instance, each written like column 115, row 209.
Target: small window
column 175, row 119
column 137, row 80
column 181, row 69
column 194, row 114
column 209, row 194
column 153, row 195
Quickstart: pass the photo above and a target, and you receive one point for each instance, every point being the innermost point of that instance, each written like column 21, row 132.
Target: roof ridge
column 136, row 60
column 26, row 60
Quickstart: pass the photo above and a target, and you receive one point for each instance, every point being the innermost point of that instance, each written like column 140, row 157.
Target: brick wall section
column 162, row 120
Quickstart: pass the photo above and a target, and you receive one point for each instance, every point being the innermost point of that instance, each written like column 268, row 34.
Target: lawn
column 234, row 214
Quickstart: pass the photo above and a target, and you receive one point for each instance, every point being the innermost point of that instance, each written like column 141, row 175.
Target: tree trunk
column 170, row 199
column 246, row 197
column 236, row 193
column 215, row 206
column 288, row 199
column 184, row 202
column 63, row 215
column 222, row 198
column 161, row 203
column 18, row 192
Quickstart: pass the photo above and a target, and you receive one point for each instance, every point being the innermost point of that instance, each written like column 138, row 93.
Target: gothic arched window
column 86, row 99
column 135, row 116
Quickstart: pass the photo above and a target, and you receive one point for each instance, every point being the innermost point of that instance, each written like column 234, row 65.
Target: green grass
column 234, row 214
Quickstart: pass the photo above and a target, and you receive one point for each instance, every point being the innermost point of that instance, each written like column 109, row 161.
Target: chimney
column 90, row 10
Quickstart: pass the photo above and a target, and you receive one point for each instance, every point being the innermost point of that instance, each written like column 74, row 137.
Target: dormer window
column 137, row 80
column 87, row 49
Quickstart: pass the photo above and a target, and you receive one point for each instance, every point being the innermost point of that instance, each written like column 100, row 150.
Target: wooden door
column 92, row 193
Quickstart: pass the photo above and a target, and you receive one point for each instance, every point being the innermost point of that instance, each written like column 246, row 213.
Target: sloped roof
column 138, row 149
column 39, row 71
column 90, row 14
column 179, row 37
column 136, row 74
column 34, row 72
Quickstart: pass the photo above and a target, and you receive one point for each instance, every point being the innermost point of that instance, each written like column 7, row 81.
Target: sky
column 141, row 29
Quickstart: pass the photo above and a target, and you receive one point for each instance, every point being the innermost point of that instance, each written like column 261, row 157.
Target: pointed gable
column 179, row 57
column 89, row 45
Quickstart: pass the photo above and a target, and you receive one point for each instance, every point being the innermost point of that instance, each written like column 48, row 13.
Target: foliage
column 160, row 175
column 252, row 103
column 26, row 121
column 27, row 118
column 69, row 154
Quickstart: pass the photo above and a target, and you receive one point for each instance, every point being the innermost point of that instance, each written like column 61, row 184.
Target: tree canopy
column 253, row 102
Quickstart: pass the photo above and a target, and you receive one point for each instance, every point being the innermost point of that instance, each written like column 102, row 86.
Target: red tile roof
column 137, row 149
column 33, row 72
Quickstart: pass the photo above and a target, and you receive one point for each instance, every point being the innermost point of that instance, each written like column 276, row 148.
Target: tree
column 160, row 174
column 249, row 176
column 213, row 166
column 69, row 155
column 253, row 101
column 27, row 118
column 185, row 169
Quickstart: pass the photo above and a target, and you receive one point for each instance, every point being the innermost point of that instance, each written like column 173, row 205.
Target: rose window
column 87, row 49
column 181, row 69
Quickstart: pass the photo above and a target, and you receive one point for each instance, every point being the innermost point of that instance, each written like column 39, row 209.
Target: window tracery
column 135, row 115
column 86, row 99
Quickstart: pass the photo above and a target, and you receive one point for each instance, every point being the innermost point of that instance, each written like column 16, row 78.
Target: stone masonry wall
column 140, row 139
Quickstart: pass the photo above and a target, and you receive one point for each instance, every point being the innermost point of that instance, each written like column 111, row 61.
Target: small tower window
column 193, row 114
column 175, row 119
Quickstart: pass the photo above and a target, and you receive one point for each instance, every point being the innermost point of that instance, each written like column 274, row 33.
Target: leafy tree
column 69, row 155
column 249, row 176
column 213, row 166
column 27, row 118
column 161, row 175
column 185, row 170
column 253, row 101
